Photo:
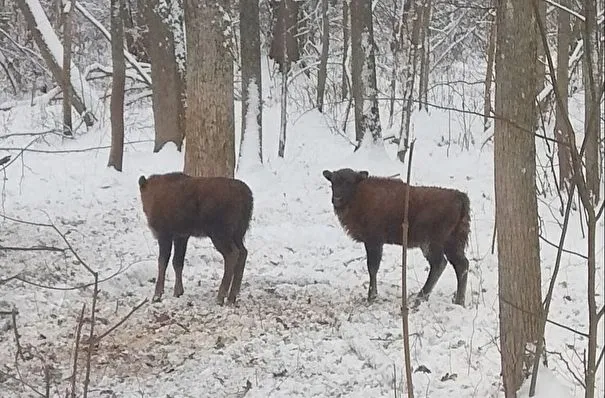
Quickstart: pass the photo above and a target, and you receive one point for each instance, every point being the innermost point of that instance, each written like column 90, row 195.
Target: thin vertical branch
column 91, row 340
column 76, row 349
column 404, row 264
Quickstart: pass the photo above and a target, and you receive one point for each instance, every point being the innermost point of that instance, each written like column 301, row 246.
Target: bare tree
column 322, row 74
column 66, row 85
column 164, row 24
column 561, row 132
column 210, row 146
column 489, row 73
column 46, row 39
column 414, row 22
column 346, row 33
column 363, row 59
column 251, row 145
column 592, row 82
column 116, row 152
column 519, row 276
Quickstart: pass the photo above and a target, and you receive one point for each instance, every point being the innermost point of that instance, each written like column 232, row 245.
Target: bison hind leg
column 238, row 272
column 230, row 254
column 455, row 255
column 435, row 256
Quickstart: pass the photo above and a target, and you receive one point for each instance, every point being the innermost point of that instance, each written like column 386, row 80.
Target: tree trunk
column 210, row 146
column 561, row 131
column 367, row 118
column 410, row 77
column 519, row 276
column 251, row 144
column 168, row 84
column 423, row 78
column 116, row 152
column 489, row 75
column 346, row 31
column 83, row 96
column 66, row 86
column 592, row 85
column 322, row 74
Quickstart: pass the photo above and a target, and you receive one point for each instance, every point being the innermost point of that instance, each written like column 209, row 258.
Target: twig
column 76, row 349
column 91, row 339
column 94, row 148
column 19, row 352
column 47, row 380
column 563, row 250
column 33, row 248
column 551, row 288
column 111, row 329
column 404, row 263
column 578, row 379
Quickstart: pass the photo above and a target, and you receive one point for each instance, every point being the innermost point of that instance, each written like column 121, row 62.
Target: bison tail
column 246, row 214
column 463, row 228
column 142, row 182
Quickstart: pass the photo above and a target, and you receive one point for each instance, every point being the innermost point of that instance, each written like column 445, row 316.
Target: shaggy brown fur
column 178, row 206
column 370, row 209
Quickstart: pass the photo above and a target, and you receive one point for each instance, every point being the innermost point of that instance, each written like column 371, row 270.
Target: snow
column 302, row 327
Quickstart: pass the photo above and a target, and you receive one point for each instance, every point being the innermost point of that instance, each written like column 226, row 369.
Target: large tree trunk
column 367, row 119
column 116, row 152
column 168, row 83
column 251, row 144
column 210, row 147
column 561, row 131
column 83, row 97
column 519, row 277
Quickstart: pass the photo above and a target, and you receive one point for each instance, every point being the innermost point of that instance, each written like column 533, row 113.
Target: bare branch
column 111, row 329
column 33, row 248
column 77, row 345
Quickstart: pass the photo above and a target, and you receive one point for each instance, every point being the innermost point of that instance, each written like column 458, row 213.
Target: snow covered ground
column 302, row 327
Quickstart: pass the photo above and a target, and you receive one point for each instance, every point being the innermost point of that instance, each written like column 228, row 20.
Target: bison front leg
column 373, row 257
column 165, row 248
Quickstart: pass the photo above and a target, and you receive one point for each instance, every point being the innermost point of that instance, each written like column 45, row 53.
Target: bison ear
column 328, row 175
column 142, row 181
column 362, row 175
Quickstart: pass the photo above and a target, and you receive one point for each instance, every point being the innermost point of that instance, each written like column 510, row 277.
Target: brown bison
column 370, row 209
column 178, row 206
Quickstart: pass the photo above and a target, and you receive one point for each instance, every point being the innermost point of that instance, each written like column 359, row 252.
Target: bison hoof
column 372, row 296
column 178, row 293
column 156, row 298
column 231, row 300
column 220, row 300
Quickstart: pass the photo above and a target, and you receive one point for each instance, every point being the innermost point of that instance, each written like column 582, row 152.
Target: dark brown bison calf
column 178, row 206
column 370, row 209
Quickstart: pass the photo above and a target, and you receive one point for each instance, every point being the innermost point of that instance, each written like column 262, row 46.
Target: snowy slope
column 302, row 327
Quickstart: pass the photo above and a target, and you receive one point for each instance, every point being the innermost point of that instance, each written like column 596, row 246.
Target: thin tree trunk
column 116, row 152
column 408, row 93
column 323, row 60
column 489, row 76
column 367, row 118
column 519, row 276
column 210, row 146
column 592, row 84
column 346, row 31
column 561, row 132
column 251, row 134
column 66, row 86
column 283, row 117
column 83, row 96
column 423, row 78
